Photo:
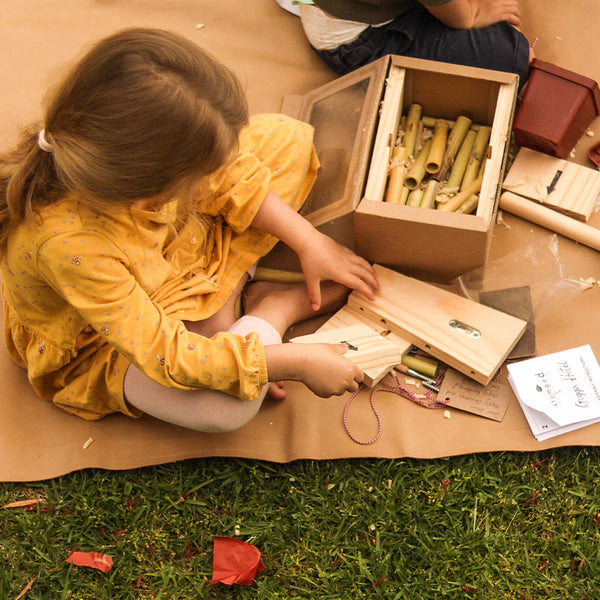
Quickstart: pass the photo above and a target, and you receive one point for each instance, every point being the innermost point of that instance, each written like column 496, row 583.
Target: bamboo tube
column 431, row 121
column 419, row 140
column 429, row 194
column 415, row 198
column 438, row 148
column 454, row 203
column 472, row 169
column 417, row 171
column 462, row 158
column 469, row 205
column 455, row 139
column 412, row 125
column 551, row 219
column 404, row 195
column 422, row 365
column 277, row 275
column 397, row 175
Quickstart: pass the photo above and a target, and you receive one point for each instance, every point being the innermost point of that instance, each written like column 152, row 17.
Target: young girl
column 130, row 224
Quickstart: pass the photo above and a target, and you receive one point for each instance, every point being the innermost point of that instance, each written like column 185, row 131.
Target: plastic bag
column 536, row 266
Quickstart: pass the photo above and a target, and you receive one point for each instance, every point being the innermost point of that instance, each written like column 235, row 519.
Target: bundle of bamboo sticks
column 436, row 163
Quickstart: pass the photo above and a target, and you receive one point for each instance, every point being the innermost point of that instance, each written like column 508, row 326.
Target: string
column 392, row 389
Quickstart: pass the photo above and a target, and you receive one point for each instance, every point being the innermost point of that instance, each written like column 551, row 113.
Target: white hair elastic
column 43, row 143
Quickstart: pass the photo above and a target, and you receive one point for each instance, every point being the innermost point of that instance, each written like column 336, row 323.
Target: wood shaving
column 88, row 443
column 25, row 589
column 447, row 414
column 590, row 281
column 590, row 133
column 23, row 503
column 500, row 220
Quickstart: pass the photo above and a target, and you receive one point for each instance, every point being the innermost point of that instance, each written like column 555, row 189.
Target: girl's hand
column 321, row 367
column 327, row 373
column 323, row 259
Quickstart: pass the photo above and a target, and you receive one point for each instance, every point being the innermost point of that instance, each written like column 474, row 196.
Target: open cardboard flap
column 266, row 46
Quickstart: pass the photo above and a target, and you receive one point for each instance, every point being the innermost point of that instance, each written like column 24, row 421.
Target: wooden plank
column 373, row 353
column 386, row 134
column 472, row 338
column 557, row 183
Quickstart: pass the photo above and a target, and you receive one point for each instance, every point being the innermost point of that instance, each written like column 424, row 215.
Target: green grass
column 504, row 525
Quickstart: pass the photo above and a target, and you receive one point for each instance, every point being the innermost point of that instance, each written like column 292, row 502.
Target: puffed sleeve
column 237, row 191
column 91, row 273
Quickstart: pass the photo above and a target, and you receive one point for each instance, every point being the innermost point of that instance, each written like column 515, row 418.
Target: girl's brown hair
column 140, row 112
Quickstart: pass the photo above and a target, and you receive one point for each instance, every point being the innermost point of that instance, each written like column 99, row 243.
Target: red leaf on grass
column 102, row 562
column 235, row 561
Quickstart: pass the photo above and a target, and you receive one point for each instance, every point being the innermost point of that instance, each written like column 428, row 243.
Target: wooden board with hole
column 468, row 336
column 366, row 348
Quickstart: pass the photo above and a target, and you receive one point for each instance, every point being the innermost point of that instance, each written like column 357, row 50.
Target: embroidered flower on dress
column 160, row 359
column 191, row 347
column 76, row 260
column 105, row 329
column 42, row 347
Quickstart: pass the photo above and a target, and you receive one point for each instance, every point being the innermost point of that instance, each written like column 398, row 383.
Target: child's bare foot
column 283, row 304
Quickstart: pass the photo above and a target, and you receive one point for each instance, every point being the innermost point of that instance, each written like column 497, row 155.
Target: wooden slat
column 374, row 354
column 386, row 133
column 574, row 193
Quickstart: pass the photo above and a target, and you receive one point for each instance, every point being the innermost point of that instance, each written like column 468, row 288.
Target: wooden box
column 356, row 118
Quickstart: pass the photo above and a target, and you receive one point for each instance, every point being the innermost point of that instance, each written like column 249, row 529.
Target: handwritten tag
column 463, row 393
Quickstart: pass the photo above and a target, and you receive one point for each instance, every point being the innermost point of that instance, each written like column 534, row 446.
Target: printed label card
column 558, row 392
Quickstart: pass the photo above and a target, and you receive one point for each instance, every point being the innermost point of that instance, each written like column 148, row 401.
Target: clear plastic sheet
column 536, row 266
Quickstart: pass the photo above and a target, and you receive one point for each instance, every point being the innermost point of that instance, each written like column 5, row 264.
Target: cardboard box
column 356, row 119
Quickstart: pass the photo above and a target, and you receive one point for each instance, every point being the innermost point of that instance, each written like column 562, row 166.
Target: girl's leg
column 204, row 409
column 271, row 310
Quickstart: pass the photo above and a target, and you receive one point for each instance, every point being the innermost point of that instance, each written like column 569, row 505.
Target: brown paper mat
column 265, row 44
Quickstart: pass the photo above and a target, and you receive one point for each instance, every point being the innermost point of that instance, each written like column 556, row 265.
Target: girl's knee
column 224, row 418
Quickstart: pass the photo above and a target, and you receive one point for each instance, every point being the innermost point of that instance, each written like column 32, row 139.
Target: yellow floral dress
column 88, row 292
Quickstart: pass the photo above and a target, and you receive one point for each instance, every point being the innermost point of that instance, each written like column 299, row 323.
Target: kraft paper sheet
column 266, row 46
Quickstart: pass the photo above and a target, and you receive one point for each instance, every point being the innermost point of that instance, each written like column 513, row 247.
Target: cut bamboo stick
column 397, row 176
column 438, row 147
column 455, row 139
column 415, row 197
column 417, row 170
column 429, row 194
column 412, row 125
column 476, row 158
column 277, row 275
column 462, row 158
column 454, row 203
column 404, row 196
column 469, row 205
